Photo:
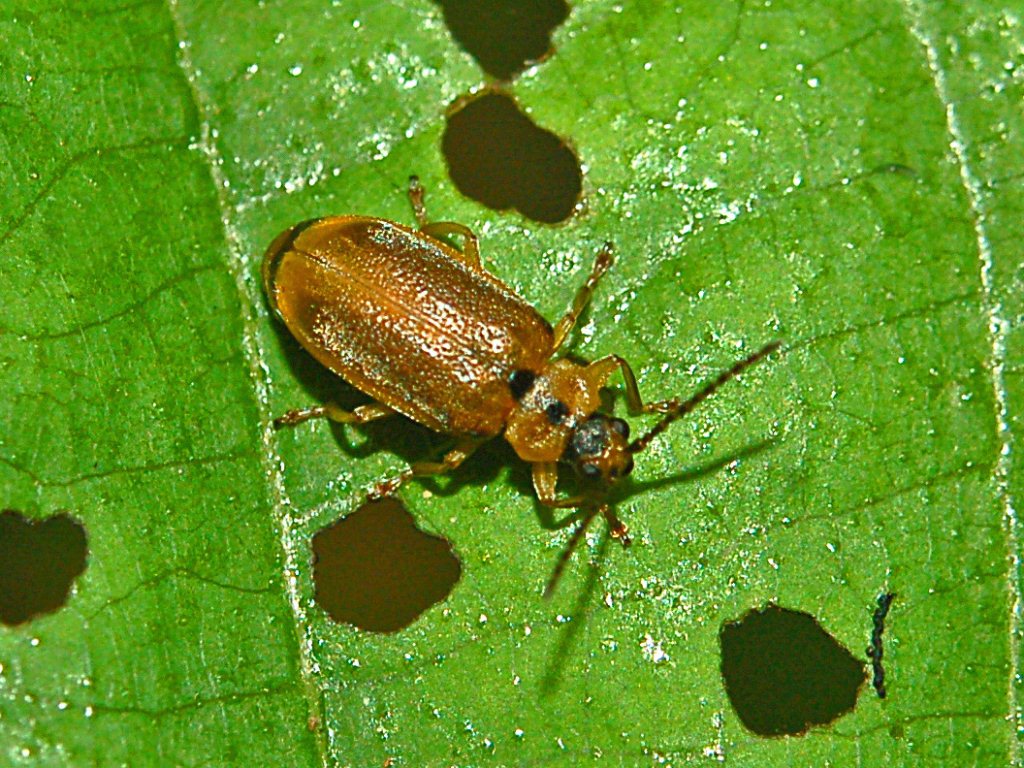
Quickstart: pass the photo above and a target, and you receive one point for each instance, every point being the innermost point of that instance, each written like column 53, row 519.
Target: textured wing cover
column 403, row 318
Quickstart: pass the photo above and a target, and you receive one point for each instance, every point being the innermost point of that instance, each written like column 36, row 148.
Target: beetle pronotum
column 427, row 332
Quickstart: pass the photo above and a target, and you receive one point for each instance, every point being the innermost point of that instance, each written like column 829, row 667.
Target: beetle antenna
column 556, row 575
column 677, row 410
column 616, row 528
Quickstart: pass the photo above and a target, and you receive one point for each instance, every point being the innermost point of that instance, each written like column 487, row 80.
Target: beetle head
column 598, row 449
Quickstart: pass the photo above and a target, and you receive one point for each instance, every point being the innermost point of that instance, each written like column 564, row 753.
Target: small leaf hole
column 39, row 561
column 504, row 36
column 499, row 157
column 784, row 673
column 377, row 571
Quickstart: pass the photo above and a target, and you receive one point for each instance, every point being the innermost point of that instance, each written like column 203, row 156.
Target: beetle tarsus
column 605, row 258
column 616, row 527
column 388, row 487
column 299, row 415
column 416, row 199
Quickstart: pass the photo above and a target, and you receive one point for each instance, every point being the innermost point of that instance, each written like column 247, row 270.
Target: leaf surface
column 845, row 177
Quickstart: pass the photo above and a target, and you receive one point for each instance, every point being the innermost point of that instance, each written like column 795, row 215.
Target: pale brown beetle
column 427, row 332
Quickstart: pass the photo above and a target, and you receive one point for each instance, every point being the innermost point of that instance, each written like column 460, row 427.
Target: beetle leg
column 545, row 480
column 470, row 242
column 416, row 199
column 616, row 527
column 332, row 411
column 599, row 371
column 451, row 460
column 601, row 264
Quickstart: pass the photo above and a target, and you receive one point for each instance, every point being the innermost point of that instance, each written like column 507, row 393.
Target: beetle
column 427, row 332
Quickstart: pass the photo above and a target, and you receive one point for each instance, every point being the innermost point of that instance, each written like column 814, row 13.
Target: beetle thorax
column 558, row 399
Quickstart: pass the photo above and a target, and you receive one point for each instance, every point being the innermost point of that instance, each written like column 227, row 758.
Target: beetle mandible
column 423, row 329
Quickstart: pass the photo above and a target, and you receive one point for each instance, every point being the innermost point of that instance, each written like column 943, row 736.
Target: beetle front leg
column 601, row 263
column 599, row 371
column 334, row 412
column 451, row 461
column 545, row 481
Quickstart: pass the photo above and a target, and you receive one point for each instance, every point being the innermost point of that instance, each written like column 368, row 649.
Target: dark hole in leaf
column 784, row 673
column 499, row 157
column 504, row 35
column 376, row 570
column 39, row 560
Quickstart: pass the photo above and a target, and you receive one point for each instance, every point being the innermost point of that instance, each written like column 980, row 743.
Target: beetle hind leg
column 334, row 412
column 470, row 242
column 419, row 210
column 451, row 461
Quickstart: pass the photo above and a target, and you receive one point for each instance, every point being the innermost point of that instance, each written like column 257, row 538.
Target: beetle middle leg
column 601, row 263
column 334, row 412
column 435, row 229
column 451, row 461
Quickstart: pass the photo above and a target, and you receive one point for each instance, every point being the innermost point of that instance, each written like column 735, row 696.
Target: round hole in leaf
column 499, row 157
column 784, row 673
column 374, row 569
column 504, row 35
column 39, row 561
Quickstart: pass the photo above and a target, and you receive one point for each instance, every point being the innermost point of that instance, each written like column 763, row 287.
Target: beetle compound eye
column 556, row 412
column 620, row 426
column 520, row 383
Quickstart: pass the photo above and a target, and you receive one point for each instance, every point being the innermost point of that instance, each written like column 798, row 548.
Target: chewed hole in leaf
column 39, row 561
column 499, row 157
column 504, row 35
column 784, row 673
column 377, row 571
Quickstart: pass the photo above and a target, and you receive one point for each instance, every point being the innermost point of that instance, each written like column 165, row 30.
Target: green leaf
column 844, row 177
